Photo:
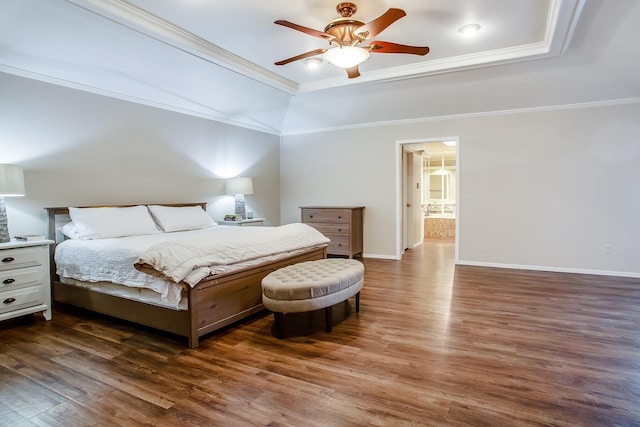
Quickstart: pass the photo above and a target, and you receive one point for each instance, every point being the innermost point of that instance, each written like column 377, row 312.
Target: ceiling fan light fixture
column 346, row 56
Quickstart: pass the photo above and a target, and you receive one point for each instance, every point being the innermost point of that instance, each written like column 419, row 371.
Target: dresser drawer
column 330, row 229
column 325, row 215
column 20, row 298
column 22, row 277
column 339, row 245
column 20, row 258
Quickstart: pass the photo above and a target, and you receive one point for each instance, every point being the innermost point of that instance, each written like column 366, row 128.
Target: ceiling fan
column 345, row 35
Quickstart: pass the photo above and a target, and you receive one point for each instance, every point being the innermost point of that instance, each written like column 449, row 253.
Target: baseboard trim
column 378, row 256
column 551, row 269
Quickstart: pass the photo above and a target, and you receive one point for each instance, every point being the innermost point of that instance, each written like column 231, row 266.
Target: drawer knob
column 8, row 259
column 339, row 217
column 8, row 281
column 9, row 300
column 310, row 216
column 339, row 229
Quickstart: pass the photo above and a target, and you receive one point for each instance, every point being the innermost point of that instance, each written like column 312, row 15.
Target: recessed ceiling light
column 449, row 143
column 313, row 62
column 469, row 29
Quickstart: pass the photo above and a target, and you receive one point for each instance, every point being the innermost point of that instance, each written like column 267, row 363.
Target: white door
column 413, row 223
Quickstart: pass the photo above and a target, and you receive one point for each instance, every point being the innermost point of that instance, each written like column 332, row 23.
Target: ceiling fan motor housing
column 346, row 10
column 343, row 29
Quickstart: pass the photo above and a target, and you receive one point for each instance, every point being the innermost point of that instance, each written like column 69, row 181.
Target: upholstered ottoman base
column 312, row 285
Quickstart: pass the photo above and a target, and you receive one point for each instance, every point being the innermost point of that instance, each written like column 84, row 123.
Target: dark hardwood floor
column 431, row 345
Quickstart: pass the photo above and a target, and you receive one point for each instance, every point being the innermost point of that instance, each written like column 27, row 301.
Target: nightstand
column 25, row 285
column 256, row 222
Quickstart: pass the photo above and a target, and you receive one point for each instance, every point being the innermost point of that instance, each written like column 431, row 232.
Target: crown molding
column 209, row 115
column 562, row 18
column 136, row 19
column 559, row 107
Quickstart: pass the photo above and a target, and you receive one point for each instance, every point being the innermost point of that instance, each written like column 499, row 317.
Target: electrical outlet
column 607, row 248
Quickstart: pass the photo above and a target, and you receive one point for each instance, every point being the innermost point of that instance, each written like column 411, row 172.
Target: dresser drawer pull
column 339, row 217
column 310, row 216
column 8, row 281
column 9, row 300
column 8, row 259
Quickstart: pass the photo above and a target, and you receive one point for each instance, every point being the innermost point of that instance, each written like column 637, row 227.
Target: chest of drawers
column 25, row 287
column 342, row 225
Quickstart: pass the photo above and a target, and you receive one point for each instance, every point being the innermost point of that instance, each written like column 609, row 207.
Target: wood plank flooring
column 432, row 345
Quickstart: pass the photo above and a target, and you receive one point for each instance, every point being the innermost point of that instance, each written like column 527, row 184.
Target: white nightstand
column 25, row 285
column 245, row 222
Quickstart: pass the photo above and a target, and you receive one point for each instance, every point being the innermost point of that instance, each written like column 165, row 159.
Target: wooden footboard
column 222, row 300
column 212, row 304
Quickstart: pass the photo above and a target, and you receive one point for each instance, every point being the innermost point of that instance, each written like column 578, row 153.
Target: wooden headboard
column 53, row 214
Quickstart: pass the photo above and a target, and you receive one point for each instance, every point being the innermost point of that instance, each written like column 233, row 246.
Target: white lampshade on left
column 11, row 181
column 11, row 185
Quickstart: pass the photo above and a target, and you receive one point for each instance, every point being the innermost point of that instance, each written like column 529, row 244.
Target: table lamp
column 11, row 185
column 240, row 186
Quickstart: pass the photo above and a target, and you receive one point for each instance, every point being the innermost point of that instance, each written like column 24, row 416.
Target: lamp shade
column 239, row 185
column 11, row 181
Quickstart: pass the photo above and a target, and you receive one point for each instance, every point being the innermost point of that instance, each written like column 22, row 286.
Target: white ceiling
column 242, row 34
column 216, row 59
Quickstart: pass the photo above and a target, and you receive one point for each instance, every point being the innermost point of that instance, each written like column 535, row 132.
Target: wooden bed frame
column 213, row 303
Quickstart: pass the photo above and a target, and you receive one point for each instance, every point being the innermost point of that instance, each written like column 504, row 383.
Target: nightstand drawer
column 19, row 258
column 325, row 215
column 20, row 298
column 331, row 229
column 21, row 277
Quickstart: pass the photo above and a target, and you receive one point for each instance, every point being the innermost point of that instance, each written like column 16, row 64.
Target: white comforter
column 179, row 256
column 194, row 257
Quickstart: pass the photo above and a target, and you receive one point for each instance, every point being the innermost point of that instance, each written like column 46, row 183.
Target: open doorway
column 440, row 189
column 428, row 188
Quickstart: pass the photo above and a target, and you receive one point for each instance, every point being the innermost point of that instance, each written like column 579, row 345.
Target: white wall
column 545, row 189
column 83, row 149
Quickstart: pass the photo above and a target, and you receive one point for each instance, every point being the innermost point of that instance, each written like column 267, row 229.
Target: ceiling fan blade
column 302, row 56
column 388, row 47
column 375, row 27
column 305, row 30
column 353, row 72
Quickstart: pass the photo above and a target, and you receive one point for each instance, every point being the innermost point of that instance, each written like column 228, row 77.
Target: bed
column 221, row 284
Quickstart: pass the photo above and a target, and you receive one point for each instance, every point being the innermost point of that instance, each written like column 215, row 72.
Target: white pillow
column 172, row 218
column 104, row 223
column 70, row 230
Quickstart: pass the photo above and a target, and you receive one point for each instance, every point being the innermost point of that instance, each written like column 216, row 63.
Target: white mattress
column 112, row 261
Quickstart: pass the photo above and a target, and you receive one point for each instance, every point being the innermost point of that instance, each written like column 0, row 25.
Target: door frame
column 400, row 189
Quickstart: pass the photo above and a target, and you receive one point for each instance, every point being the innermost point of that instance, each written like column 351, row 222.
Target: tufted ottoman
column 312, row 285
